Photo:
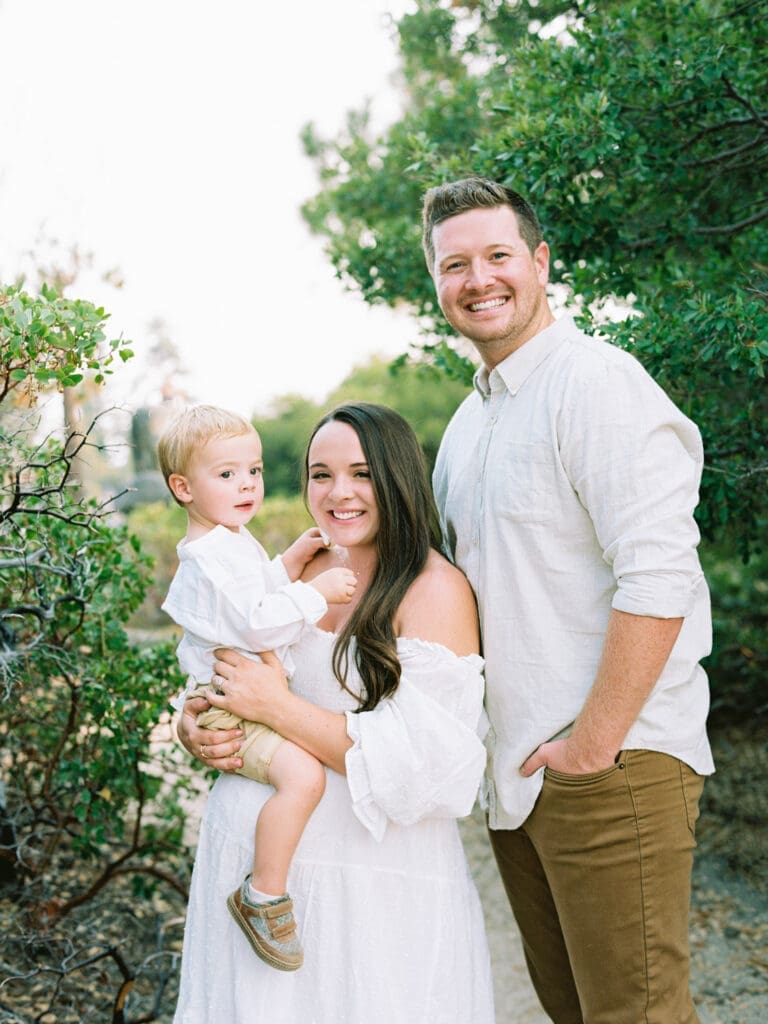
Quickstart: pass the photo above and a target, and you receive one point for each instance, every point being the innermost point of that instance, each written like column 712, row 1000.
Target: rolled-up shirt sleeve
column 635, row 462
column 419, row 753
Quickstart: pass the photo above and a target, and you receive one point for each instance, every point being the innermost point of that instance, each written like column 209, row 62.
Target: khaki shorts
column 259, row 741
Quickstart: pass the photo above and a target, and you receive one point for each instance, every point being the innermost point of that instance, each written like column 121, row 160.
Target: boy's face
column 223, row 484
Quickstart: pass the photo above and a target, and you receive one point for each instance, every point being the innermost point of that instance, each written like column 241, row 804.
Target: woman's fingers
column 215, row 747
column 270, row 658
column 227, row 657
column 194, row 705
column 222, row 756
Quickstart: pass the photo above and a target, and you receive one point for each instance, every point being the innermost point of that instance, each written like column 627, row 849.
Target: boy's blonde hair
column 192, row 429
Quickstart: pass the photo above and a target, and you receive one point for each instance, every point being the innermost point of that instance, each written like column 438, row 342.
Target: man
column 566, row 484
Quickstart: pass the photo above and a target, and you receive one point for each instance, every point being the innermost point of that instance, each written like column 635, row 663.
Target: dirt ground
column 729, row 918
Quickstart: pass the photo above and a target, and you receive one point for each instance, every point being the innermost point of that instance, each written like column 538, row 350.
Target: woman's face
column 340, row 491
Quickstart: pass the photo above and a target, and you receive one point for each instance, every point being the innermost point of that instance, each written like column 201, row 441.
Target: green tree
column 425, row 397
column 640, row 133
column 284, row 434
column 93, row 802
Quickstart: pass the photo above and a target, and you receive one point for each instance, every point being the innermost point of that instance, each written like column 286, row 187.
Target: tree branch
column 732, row 229
column 731, row 89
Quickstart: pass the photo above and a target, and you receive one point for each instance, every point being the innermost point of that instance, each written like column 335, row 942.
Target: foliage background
column 640, row 134
column 92, row 803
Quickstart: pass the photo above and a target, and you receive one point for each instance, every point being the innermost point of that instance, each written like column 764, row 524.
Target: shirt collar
column 513, row 371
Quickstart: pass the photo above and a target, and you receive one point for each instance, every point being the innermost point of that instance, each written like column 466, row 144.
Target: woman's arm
column 215, row 747
column 259, row 692
column 439, row 608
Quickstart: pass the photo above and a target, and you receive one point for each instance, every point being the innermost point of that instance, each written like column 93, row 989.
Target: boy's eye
column 255, row 470
column 226, row 474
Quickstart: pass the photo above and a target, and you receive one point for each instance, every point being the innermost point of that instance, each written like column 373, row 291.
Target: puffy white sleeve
column 419, row 753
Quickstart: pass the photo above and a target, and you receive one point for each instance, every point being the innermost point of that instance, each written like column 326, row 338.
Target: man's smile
column 475, row 307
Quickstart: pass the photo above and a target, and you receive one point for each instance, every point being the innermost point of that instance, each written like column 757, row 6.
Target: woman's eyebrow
column 324, row 465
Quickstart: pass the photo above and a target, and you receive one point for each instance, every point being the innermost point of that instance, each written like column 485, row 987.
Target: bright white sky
column 162, row 136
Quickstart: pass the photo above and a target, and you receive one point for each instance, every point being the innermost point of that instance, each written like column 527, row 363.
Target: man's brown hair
column 456, row 197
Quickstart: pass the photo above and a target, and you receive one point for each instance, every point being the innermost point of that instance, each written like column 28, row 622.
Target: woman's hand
column 249, row 689
column 258, row 692
column 215, row 747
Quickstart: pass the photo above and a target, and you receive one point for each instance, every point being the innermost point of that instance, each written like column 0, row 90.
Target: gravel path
column 729, row 941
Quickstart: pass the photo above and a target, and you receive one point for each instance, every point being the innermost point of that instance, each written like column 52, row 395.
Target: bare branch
column 732, row 229
column 731, row 89
column 726, row 154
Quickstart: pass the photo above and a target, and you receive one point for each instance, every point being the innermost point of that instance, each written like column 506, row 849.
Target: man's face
column 490, row 287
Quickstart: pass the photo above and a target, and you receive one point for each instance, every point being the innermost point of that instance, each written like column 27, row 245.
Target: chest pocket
column 523, row 484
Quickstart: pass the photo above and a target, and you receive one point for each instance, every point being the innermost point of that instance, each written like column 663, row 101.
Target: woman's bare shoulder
column 440, row 608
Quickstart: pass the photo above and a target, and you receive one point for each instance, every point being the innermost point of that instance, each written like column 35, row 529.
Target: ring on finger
column 203, row 749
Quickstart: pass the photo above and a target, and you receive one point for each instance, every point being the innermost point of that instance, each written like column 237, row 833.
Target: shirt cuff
column 366, row 810
column 278, row 572
column 660, row 595
column 310, row 602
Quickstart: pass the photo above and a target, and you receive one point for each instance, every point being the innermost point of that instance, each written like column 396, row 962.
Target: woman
column 387, row 693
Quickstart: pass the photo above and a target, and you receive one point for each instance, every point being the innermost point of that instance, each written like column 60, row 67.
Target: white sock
column 262, row 897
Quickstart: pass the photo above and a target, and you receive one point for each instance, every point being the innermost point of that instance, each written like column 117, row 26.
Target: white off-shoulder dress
column 387, row 913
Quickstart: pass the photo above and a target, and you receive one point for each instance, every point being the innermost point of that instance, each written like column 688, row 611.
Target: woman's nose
column 340, row 488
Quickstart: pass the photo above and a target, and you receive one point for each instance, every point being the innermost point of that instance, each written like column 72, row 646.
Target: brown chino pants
column 599, row 880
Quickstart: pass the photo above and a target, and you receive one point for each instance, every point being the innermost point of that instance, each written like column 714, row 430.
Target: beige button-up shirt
column 566, row 484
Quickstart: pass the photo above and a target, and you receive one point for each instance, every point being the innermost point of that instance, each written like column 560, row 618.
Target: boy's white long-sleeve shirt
column 227, row 593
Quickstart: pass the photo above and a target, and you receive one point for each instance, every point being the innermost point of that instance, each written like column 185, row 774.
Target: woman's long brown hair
column 408, row 529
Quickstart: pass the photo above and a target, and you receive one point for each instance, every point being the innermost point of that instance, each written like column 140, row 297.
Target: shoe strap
column 277, row 909
column 282, row 931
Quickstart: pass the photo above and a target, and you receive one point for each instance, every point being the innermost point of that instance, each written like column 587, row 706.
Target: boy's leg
column 299, row 781
column 616, row 848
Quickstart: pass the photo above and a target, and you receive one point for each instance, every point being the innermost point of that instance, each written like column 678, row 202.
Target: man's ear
column 180, row 488
column 541, row 261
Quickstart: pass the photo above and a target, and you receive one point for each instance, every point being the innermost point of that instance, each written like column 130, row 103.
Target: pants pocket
column 692, row 786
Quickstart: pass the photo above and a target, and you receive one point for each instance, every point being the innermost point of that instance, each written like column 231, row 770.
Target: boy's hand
column 336, row 585
column 303, row 550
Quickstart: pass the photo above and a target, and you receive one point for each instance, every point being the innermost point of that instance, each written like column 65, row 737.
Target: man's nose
column 479, row 275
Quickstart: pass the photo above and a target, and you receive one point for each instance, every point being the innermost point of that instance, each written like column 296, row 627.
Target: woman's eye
column 318, row 476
